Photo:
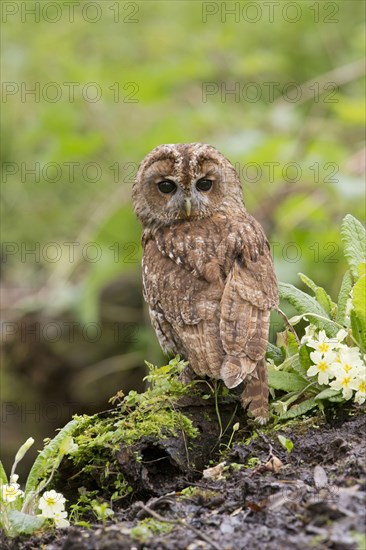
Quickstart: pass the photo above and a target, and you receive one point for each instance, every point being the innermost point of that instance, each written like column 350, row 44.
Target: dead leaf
column 274, row 464
column 215, row 473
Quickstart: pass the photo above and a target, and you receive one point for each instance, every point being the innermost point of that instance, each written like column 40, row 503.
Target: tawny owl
column 208, row 275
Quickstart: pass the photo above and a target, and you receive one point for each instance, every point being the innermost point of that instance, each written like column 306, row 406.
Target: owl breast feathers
column 208, row 275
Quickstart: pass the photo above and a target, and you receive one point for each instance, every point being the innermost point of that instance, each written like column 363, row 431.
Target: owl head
column 184, row 181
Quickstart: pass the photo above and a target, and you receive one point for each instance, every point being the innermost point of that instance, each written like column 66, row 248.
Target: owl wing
column 184, row 308
column 250, row 293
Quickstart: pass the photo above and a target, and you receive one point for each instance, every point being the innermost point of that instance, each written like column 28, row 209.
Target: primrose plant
column 325, row 360
column 26, row 511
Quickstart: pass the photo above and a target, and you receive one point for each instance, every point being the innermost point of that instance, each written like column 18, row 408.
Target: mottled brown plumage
column 207, row 269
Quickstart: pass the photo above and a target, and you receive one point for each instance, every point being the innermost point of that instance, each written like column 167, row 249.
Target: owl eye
column 167, row 187
column 204, row 185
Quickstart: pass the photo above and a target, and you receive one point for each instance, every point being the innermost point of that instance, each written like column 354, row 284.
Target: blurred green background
column 278, row 87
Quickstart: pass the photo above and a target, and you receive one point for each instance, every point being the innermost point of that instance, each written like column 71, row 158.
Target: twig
column 288, row 324
column 180, row 522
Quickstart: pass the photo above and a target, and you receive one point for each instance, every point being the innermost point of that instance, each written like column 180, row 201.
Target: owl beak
column 188, row 206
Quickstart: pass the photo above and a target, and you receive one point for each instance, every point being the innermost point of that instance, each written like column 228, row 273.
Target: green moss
column 151, row 414
column 198, row 492
column 150, row 527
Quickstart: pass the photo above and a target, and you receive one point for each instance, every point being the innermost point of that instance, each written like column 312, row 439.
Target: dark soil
column 314, row 500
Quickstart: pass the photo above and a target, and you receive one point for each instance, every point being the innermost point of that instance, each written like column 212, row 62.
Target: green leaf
column 24, row 523
column 296, row 366
column 358, row 330
column 326, row 394
column 3, row 476
column 359, row 299
column 275, row 353
column 286, row 381
column 354, row 242
column 286, row 443
column 304, row 358
column 336, row 399
column 303, row 303
column 49, row 458
column 343, row 296
column 321, row 295
column 301, row 408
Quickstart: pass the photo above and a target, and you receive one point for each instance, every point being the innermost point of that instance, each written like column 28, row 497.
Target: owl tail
column 255, row 394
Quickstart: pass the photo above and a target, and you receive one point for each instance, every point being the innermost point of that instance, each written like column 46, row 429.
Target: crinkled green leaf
column 49, row 458
column 359, row 299
column 354, row 242
column 320, row 294
column 24, row 523
column 275, row 353
column 301, row 408
column 343, row 296
column 358, row 330
column 361, row 269
column 303, row 303
column 3, row 476
column 304, row 358
column 286, row 381
column 326, row 394
column 336, row 399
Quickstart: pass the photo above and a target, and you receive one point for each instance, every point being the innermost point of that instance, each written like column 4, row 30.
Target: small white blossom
column 11, row 492
column 322, row 366
column 348, row 361
column 344, row 382
column 60, row 520
column 310, row 334
column 323, row 344
column 51, row 503
column 360, row 387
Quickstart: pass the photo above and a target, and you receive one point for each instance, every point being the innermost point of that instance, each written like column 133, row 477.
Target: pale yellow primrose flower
column 60, row 520
column 360, row 387
column 344, row 382
column 322, row 366
column 322, row 344
column 310, row 334
column 349, row 361
column 51, row 503
column 11, row 492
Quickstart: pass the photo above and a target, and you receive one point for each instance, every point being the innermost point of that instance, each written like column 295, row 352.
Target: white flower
column 51, row 503
column 11, row 492
column 322, row 366
column 323, row 344
column 60, row 520
column 360, row 387
column 310, row 334
column 344, row 382
column 349, row 361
